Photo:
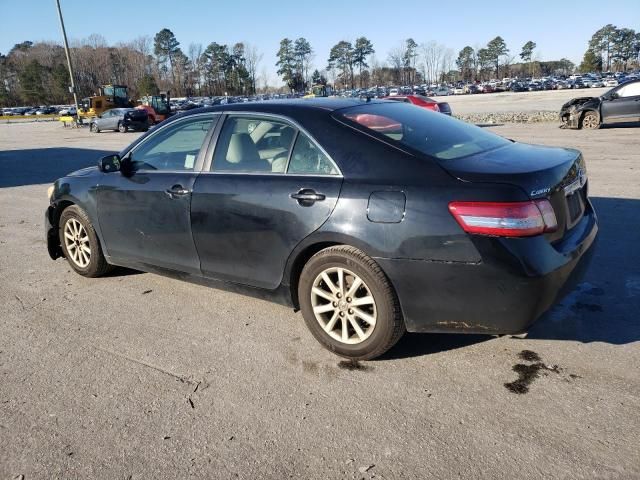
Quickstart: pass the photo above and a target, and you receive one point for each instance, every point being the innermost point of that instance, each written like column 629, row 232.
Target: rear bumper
column 136, row 125
column 514, row 284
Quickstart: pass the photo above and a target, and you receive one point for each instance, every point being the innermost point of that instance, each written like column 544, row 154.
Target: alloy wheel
column 343, row 305
column 590, row 121
column 76, row 240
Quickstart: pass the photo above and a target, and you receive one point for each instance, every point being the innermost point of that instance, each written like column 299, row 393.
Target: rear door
column 249, row 210
column 624, row 108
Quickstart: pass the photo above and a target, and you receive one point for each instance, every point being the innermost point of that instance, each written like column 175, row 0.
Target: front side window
column 253, row 145
column 175, row 147
column 430, row 133
column 307, row 158
column 630, row 90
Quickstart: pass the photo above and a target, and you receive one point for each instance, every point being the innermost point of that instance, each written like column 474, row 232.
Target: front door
column 625, row 107
column 144, row 214
column 268, row 187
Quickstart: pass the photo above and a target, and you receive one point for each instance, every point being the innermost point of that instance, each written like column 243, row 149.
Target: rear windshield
column 428, row 132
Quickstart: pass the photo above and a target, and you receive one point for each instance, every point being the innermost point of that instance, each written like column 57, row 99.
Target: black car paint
column 608, row 108
column 445, row 279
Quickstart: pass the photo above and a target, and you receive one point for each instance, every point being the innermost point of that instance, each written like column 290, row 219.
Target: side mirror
column 109, row 164
column 613, row 96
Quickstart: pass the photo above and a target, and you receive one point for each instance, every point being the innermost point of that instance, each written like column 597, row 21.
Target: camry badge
column 542, row 191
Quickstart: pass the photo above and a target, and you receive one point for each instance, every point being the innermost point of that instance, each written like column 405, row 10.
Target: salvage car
column 371, row 217
column 618, row 105
column 121, row 120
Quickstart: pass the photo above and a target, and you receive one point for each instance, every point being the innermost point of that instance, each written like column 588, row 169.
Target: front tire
column 590, row 121
column 349, row 304
column 94, row 128
column 80, row 244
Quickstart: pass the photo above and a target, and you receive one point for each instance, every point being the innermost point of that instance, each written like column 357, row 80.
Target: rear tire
column 590, row 121
column 122, row 128
column 80, row 244
column 348, row 303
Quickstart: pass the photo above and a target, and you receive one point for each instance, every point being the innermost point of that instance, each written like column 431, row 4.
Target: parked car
column 518, row 87
column 46, row 111
column 619, row 105
column 121, row 119
column 67, row 110
column 459, row 90
column 372, row 217
column 441, row 90
column 393, row 92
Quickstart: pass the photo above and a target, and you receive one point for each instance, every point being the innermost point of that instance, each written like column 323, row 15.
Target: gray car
column 121, row 119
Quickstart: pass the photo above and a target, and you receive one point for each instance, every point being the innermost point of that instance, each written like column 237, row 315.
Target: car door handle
column 307, row 196
column 176, row 191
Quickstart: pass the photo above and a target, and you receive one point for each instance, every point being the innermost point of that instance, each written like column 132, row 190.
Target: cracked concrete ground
column 140, row 376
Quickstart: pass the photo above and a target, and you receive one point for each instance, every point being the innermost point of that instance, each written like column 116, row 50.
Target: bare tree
column 144, row 46
column 446, row 62
column 195, row 62
column 396, row 60
column 432, row 56
column 95, row 40
column 264, row 80
column 253, row 58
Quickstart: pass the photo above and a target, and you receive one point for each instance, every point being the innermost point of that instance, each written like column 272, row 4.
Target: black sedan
column 121, row 120
column 372, row 217
column 619, row 105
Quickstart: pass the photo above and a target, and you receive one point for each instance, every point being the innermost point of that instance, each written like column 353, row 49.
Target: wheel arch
column 307, row 249
column 53, row 236
column 297, row 264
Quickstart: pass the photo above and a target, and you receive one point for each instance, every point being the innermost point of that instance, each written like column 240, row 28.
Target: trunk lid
column 557, row 174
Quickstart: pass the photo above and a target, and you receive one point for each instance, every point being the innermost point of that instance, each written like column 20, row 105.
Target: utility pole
column 66, row 51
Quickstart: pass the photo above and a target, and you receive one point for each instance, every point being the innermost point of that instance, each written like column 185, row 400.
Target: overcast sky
column 560, row 28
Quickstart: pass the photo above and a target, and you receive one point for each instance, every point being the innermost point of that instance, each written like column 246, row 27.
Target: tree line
column 36, row 73
column 352, row 65
column 612, row 48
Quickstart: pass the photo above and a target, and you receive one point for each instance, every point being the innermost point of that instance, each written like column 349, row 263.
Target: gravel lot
column 548, row 100
column 139, row 376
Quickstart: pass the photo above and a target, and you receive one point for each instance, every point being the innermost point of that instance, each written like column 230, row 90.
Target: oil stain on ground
column 353, row 365
column 527, row 373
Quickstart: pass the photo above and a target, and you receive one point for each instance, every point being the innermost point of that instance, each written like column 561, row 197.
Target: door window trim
column 197, row 167
column 213, row 142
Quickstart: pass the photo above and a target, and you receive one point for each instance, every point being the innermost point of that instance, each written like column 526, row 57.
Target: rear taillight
column 512, row 219
column 436, row 108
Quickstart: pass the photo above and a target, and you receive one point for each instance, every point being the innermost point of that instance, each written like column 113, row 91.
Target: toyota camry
column 370, row 217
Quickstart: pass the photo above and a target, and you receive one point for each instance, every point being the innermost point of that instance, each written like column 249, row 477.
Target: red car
column 424, row 102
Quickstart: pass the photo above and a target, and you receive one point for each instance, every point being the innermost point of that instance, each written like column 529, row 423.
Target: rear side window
column 431, row 133
column 307, row 158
